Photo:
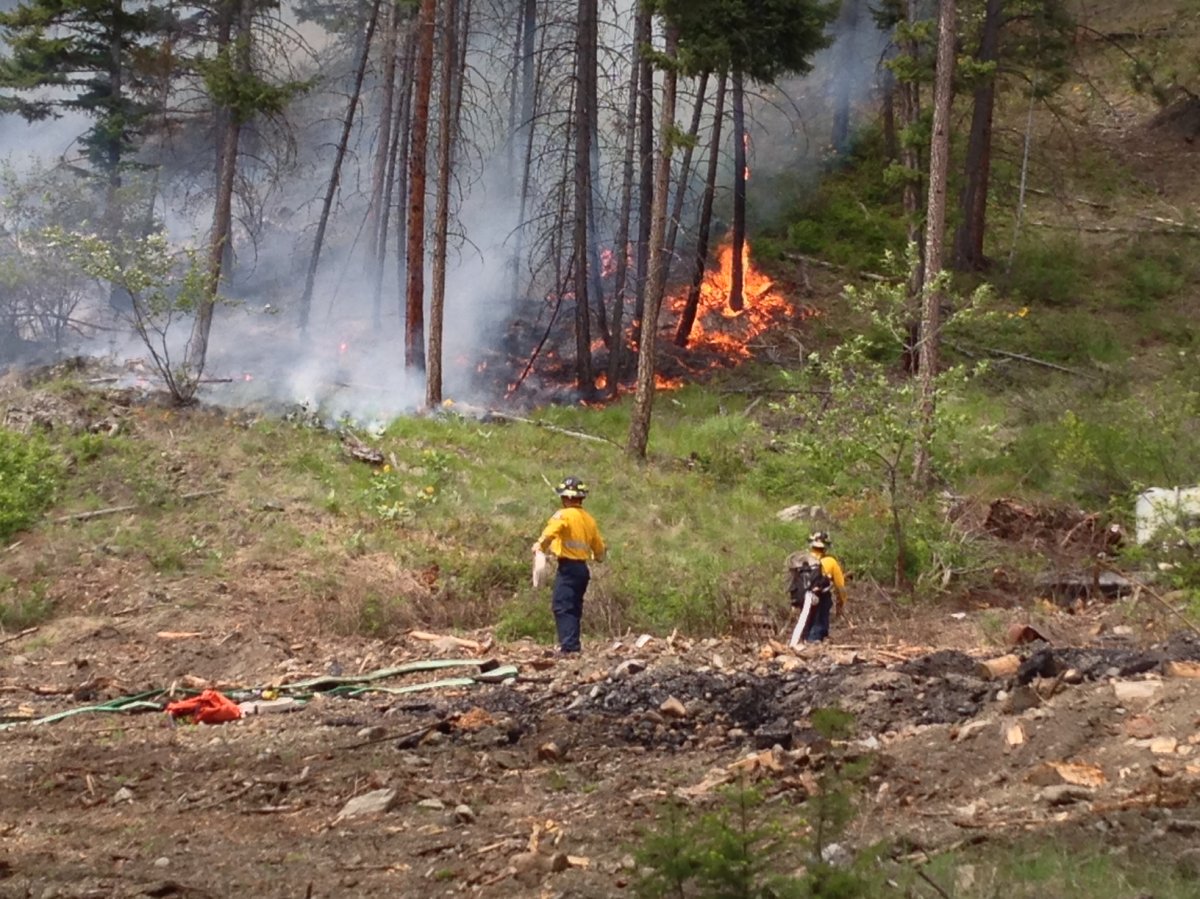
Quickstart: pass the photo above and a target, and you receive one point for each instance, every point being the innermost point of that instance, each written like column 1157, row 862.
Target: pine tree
column 91, row 55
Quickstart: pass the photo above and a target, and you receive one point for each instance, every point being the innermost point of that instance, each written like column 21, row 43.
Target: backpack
column 807, row 577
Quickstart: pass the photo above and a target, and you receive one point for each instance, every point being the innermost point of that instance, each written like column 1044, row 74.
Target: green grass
column 1034, row 871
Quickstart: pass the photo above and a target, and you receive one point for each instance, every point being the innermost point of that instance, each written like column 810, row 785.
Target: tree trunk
column 414, row 308
column 910, row 154
column 639, row 423
column 525, row 132
column 688, row 319
column 641, row 37
column 968, row 241
column 847, row 30
column 685, row 171
column 196, row 352
column 586, row 14
column 891, row 144
column 335, row 175
column 935, row 231
column 646, row 180
column 396, row 180
column 118, row 298
column 737, row 274
column 376, row 212
column 448, row 99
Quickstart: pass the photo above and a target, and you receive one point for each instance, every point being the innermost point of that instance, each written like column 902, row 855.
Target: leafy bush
column 20, row 609
column 29, row 475
column 1050, row 271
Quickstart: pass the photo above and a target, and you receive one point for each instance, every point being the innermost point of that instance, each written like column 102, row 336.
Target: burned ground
column 573, row 758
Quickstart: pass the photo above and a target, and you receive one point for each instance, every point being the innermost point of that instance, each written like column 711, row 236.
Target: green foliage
column 848, row 215
column 245, row 93
column 1049, row 271
column 1064, row 869
column 528, row 616
column 94, row 59
column 861, row 440
column 762, row 40
column 23, row 607
column 1107, row 443
column 29, row 476
column 165, row 286
column 747, row 849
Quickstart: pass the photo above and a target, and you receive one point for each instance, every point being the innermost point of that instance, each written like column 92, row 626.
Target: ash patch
column 945, row 661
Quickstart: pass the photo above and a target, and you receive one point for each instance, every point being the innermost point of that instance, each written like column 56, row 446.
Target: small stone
column 123, row 795
column 1127, row 691
column 673, row 708
column 374, row 803
column 549, row 752
column 628, row 667
column 162, row 862
column 372, row 733
column 464, row 814
column 1065, row 794
column 435, row 805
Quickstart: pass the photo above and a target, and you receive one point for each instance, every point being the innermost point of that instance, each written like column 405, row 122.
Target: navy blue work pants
column 818, row 625
column 570, row 584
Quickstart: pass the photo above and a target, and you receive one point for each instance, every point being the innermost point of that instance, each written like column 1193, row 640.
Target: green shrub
column 530, row 616
column 747, row 849
column 29, row 476
column 1049, row 271
column 20, row 609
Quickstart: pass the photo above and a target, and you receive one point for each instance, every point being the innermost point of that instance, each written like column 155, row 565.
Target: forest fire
column 719, row 337
column 718, row 328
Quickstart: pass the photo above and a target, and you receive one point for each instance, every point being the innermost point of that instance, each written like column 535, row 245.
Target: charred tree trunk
column 738, row 275
column 646, row 179
column 688, row 319
column 525, row 132
column 584, row 54
column 641, row 37
column 639, row 423
column 449, row 101
column 414, row 306
column 376, row 212
column 935, row 232
column 968, row 241
column 335, row 176
column 685, row 172
column 396, row 179
column 196, row 352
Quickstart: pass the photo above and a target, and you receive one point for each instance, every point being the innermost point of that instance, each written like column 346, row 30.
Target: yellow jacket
column 572, row 533
column 833, row 570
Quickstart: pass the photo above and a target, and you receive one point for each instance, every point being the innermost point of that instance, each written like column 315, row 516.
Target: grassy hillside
column 1092, row 392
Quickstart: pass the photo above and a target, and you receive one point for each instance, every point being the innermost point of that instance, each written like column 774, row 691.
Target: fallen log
column 999, row 667
column 114, row 510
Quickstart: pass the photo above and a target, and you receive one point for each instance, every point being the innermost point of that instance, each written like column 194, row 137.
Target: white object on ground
column 1167, row 507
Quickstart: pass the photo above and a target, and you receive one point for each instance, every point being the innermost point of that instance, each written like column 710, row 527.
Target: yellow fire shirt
column 571, row 533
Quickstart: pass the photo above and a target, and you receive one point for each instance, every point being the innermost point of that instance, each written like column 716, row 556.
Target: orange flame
column 721, row 329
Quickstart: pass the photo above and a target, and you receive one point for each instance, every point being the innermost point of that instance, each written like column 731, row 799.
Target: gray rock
column 376, row 802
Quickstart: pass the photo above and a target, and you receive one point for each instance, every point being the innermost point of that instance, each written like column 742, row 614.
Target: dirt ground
column 490, row 788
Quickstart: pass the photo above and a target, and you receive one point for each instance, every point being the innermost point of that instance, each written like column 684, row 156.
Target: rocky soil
column 539, row 783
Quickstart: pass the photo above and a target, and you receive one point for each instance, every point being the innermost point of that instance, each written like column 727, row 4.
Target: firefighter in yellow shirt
column 829, row 583
column 571, row 535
